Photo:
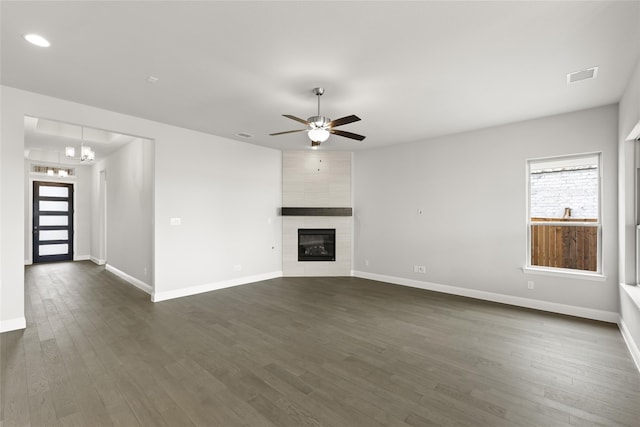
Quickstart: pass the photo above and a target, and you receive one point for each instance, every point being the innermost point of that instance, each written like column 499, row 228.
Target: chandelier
column 86, row 153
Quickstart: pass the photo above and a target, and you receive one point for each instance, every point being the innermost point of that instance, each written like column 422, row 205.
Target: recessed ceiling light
column 576, row 76
column 37, row 40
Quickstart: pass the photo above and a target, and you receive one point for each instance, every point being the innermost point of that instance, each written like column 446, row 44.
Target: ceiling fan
column 320, row 127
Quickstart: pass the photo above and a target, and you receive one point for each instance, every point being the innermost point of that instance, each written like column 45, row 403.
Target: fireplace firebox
column 316, row 244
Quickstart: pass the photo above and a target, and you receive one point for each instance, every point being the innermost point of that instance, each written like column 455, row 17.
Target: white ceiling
column 411, row 70
column 45, row 141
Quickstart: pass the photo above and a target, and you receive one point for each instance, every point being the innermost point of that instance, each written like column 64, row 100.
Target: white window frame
column 556, row 271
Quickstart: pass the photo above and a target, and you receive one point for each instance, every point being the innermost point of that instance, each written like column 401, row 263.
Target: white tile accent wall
column 316, row 179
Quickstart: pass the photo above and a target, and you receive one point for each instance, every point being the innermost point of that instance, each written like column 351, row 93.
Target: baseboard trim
column 194, row 290
column 13, row 324
column 631, row 344
column 75, row 258
column 130, row 279
column 553, row 307
column 98, row 260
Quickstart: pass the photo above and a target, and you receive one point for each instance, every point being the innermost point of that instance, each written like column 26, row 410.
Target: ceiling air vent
column 576, row 76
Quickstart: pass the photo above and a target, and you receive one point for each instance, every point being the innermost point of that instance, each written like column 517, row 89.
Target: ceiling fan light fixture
column 318, row 134
column 320, row 127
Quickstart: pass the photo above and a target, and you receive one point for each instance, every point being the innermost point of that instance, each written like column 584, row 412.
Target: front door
column 52, row 221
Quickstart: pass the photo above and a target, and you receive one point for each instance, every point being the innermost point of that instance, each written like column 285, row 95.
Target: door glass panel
column 54, row 191
column 54, row 235
column 53, row 249
column 46, row 205
column 54, row 220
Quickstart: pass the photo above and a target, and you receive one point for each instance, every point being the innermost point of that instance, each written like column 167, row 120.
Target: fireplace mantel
column 297, row 211
column 316, row 190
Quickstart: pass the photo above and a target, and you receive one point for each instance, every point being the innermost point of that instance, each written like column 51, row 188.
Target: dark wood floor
column 303, row 352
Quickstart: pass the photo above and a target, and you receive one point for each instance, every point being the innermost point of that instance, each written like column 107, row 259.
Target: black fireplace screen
column 316, row 244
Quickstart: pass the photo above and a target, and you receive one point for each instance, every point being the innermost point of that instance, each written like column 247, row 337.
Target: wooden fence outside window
column 573, row 246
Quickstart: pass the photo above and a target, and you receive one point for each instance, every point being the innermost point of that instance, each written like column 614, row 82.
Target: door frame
column 29, row 202
column 102, row 207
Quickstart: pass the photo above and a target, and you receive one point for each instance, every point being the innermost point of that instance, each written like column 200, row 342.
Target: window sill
column 570, row 274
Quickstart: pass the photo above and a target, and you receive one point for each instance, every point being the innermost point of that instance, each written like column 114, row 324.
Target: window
column 564, row 225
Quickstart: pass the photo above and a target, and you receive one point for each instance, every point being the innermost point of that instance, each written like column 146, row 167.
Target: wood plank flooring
column 303, row 352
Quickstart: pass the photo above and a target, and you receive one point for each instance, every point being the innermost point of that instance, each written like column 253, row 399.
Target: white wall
column 11, row 211
column 629, row 115
column 82, row 208
column 472, row 189
column 130, row 211
column 98, row 214
column 227, row 195
column 82, row 225
column 226, row 192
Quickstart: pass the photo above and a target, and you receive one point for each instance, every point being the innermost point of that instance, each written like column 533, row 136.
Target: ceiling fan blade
column 297, row 119
column 287, row 131
column 344, row 120
column 347, row 134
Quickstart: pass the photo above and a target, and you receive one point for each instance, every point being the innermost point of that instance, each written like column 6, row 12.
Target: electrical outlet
column 422, row 269
column 415, row 268
column 237, row 267
column 366, row 262
column 530, row 284
column 175, row 221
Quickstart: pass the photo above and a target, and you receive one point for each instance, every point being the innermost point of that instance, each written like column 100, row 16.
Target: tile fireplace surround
column 317, row 179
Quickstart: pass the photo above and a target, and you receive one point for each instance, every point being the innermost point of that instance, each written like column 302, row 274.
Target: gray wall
column 471, row 190
column 628, row 193
column 227, row 195
column 130, row 209
column 11, row 211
